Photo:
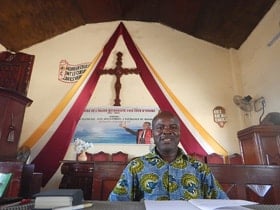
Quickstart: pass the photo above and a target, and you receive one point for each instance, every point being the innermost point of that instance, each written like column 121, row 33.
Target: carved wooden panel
column 77, row 175
column 120, row 156
column 15, row 71
column 259, row 143
column 100, row 156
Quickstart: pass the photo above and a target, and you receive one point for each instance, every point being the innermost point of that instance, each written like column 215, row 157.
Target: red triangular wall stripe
column 48, row 160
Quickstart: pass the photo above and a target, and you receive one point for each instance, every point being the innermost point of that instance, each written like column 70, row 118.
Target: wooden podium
column 15, row 73
column 260, row 144
column 12, row 111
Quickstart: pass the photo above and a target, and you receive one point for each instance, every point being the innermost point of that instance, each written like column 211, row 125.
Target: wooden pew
column 120, row 156
column 98, row 178
column 234, row 158
column 214, row 158
column 236, row 179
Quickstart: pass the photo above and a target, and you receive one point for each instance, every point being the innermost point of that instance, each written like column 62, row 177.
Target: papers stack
column 211, row 204
column 198, row 204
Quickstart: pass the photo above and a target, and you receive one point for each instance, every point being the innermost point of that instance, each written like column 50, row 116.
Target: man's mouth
column 166, row 139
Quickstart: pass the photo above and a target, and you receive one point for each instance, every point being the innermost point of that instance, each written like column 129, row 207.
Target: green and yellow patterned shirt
column 151, row 178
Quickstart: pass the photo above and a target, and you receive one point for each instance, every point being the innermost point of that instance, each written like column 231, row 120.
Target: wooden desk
column 106, row 205
column 132, row 205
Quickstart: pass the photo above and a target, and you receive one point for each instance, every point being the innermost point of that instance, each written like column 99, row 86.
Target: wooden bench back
column 238, row 181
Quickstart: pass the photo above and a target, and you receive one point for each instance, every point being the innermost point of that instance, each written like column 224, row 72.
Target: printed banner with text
column 106, row 124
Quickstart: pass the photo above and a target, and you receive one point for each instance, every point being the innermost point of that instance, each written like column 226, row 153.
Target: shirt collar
column 154, row 154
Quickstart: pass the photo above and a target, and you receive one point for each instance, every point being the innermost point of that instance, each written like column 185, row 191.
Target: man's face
column 166, row 133
column 146, row 125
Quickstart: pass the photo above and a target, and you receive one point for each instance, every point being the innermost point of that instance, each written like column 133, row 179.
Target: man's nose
column 167, row 129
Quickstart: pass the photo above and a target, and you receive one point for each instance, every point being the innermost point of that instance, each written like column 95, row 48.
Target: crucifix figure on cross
column 118, row 71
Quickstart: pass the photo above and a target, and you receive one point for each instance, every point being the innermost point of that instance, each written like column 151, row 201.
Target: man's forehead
column 170, row 120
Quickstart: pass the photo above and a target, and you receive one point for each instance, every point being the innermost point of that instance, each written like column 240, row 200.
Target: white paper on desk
column 80, row 206
column 169, row 205
column 232, row 208
column 211, row 204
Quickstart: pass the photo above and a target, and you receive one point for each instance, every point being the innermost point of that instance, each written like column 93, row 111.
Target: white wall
column 260, row 64
column 2, row 48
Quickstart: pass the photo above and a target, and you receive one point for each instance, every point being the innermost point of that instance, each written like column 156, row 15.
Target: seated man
column 166, row 173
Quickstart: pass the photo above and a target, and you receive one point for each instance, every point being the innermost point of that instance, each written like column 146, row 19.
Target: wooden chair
column 100, row 156
column 214, row 158
column 120, row 156
column 31, row 181
column 106, row 176
column 235, row 158
column 198, row 156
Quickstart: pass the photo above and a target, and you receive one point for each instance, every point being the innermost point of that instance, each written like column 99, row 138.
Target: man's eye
column 173, row 127
column 160, row 127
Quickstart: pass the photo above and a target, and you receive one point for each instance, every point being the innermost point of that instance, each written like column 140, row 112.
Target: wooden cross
column 119, row 71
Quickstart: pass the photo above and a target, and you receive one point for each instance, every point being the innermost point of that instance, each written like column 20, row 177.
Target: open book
column 198, row 204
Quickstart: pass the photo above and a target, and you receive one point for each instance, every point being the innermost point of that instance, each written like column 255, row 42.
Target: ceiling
column 226, row 23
